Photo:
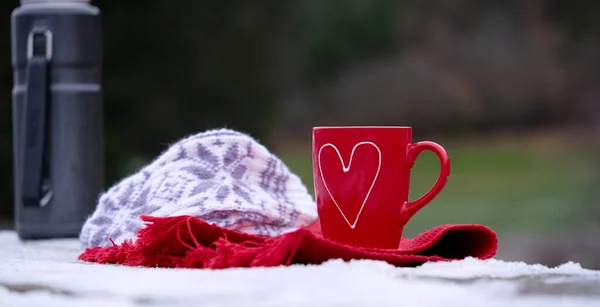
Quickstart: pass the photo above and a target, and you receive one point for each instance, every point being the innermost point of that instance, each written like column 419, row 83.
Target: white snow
column 52, row 268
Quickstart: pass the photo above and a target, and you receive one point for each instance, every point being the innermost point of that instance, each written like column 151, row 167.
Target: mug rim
column 361, row 127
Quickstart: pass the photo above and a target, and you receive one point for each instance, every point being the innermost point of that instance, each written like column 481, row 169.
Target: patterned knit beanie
column 221, row 176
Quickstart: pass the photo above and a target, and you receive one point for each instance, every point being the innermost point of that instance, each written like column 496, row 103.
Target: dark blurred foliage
column 442, row 66
column 173, row 68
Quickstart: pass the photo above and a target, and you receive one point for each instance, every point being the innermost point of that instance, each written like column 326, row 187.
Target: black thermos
column 57, row 116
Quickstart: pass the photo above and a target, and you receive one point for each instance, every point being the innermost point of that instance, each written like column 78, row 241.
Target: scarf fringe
column 172, row 242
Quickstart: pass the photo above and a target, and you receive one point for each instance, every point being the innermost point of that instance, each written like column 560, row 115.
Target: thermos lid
column 24, row 2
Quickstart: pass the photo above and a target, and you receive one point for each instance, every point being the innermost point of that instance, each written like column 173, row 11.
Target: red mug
column 362, row 178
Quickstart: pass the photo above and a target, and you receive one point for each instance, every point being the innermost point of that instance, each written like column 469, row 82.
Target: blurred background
column 510, row 88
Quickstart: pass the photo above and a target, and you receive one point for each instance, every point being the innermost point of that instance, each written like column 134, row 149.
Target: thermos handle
column 34, row 121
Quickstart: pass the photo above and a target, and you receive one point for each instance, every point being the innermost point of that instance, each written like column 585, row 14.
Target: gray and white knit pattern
column 221, row 176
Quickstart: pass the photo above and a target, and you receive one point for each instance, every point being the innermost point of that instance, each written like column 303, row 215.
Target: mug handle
column 411, row 207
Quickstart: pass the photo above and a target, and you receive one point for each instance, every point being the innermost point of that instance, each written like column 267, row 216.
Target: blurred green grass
column 511, row 187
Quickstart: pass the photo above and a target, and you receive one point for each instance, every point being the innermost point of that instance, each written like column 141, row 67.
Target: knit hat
column 221, row 176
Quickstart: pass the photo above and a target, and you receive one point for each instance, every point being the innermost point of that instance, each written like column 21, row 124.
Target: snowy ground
column 46, row 273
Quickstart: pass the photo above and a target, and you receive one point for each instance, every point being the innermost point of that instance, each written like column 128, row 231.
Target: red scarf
column 189, row 242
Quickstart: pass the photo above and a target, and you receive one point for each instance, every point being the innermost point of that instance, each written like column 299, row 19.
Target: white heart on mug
column 347, row 169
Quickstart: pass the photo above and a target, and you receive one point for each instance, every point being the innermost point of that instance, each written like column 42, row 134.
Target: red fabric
column 189, row 242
